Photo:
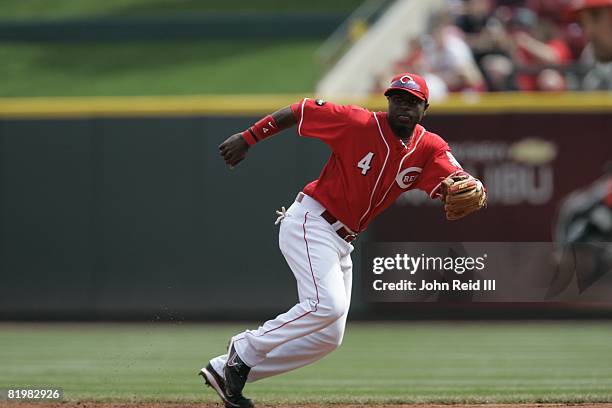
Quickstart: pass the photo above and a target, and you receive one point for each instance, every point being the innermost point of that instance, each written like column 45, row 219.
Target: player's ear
column 425, row 108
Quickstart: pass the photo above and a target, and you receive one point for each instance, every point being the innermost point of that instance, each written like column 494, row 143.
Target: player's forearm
column 270, row 125
column 285, row 117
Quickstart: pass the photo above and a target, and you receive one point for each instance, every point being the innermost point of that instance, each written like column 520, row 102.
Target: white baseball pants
column 322, row 266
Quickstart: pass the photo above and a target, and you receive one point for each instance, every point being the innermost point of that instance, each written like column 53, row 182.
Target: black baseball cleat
column 235, row 372
column 216, row 382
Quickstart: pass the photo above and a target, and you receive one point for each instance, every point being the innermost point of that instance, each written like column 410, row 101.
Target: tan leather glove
column 462, row 194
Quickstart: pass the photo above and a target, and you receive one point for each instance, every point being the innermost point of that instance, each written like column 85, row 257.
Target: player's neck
column 402, row 132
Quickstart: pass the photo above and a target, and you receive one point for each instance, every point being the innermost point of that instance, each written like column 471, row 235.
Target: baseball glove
column 462, row 194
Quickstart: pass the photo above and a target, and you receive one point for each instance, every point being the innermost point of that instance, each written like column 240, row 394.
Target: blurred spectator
column 595, row 17
column 487, row 38
column 538, row 49
column 444, row 59
column 415, row 61
column 507, row 45
column 448, row 56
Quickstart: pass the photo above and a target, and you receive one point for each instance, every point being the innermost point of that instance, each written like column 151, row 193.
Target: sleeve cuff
column 248, row 136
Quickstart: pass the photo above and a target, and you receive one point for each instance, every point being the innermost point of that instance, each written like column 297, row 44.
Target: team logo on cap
column 408, row 176
column 407, row 82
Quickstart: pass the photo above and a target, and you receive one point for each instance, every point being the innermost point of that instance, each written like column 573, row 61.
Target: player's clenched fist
column 233, row 149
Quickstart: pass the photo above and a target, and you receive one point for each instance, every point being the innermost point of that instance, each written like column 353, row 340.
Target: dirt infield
column 191, row 405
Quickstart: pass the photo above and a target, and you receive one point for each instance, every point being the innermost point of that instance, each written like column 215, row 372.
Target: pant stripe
column 284, row 324
column 313, row 281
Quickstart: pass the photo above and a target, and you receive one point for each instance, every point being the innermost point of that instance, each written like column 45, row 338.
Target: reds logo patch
column 406, row 82
column 408, row 176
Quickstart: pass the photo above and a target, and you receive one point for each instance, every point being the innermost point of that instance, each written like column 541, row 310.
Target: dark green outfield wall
column 122, row 217
column 140, row 218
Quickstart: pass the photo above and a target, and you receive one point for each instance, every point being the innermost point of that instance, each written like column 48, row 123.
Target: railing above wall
column 232, row 105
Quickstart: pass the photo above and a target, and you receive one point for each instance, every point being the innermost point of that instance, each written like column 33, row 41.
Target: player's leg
column 314, row 254
column 308, row 349
column 300, row 352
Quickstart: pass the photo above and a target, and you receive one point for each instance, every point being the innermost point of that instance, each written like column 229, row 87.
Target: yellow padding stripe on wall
column 246, row 105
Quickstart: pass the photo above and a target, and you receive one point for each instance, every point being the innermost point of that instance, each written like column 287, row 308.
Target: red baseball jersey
column 369, row 166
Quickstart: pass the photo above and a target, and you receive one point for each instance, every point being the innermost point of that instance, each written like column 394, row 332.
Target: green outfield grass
column 181, row 68
column 158, row 68
column 45, row 9
column 404, row 362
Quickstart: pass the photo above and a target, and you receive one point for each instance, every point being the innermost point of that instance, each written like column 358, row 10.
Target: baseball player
column 376, row 156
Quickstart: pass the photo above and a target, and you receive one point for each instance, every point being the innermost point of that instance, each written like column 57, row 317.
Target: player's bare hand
column 234, row 149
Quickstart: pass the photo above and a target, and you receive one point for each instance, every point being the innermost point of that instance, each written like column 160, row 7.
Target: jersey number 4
column 364, row 164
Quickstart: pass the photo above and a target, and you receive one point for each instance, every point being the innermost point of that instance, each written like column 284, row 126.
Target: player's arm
column 444, row 178
column 234, row 148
